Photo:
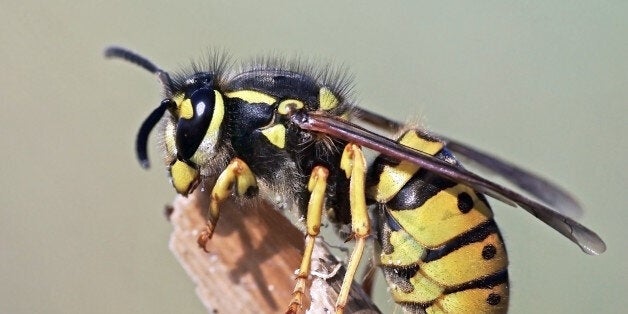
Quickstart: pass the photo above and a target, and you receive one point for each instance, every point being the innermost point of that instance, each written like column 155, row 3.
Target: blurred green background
column 81, row 231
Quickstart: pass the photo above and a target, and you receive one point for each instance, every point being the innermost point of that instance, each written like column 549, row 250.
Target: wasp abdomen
column 440, row 249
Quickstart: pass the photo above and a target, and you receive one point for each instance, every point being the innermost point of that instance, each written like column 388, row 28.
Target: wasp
column 275, row 128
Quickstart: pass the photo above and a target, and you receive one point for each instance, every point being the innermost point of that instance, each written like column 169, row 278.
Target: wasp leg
column 238, row 178
column 317, row 186
column 354, row 165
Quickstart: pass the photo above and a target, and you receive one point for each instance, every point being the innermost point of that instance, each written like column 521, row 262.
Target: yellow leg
column 317, row 186
column 354, row 165
column 238, row 178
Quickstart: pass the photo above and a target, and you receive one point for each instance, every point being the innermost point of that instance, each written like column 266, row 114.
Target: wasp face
column 200, row 106
column 197, row 112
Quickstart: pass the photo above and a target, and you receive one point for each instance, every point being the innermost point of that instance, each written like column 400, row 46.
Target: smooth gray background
column 543, row 85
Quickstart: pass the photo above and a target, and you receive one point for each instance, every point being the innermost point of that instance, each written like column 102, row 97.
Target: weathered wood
column 253, row 255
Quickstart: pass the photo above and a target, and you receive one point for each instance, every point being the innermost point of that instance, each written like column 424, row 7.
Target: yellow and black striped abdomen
column 441, row 251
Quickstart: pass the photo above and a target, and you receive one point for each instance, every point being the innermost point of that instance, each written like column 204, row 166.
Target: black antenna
column 141, row 142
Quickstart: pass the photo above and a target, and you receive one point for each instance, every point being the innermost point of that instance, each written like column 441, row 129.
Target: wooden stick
column 253, row 255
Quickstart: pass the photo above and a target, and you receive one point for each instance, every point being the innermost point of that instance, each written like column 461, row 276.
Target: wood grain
column 252, row 259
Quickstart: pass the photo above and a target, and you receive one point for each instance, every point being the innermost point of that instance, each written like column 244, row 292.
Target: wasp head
column 192, row 126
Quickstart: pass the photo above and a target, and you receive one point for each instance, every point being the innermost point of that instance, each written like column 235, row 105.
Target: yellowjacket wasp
column 276, row 128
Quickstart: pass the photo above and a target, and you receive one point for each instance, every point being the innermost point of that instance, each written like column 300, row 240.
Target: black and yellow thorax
column 248, row 118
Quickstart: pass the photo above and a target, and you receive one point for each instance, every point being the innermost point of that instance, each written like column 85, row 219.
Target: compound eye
column 194, row 118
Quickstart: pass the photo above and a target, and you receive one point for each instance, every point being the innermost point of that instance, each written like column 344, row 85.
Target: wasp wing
column 585, row 238
column 542, row 189
column 547, row 192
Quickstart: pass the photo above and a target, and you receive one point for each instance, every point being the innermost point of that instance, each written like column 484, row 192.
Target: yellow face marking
column 326, row 99
column 276, row 135
column 285, row 105
column 253, row 97
column 169, row 138
column 183, row 177
column 185, row 109
column 392, row 179
column 178, row 99
column 439, row 219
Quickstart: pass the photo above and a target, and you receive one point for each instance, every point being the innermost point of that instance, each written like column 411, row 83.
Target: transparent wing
column 538, row 187
column 586, row 239
column 546, row 191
